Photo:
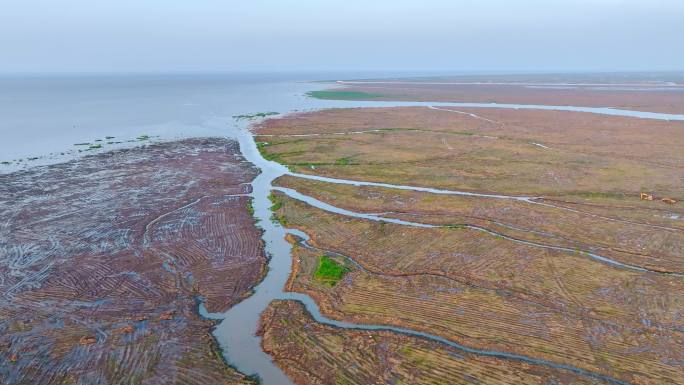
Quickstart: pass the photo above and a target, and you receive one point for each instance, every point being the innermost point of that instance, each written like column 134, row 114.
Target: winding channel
column 294, row 194
column 236, row 331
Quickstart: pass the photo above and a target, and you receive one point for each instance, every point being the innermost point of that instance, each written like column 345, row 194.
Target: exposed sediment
column 298, row 343
column 449, row 282
column 495, row 251
column 634, row 97
column 103, row 261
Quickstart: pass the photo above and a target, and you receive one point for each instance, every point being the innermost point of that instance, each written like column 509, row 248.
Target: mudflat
column 291, row 336
column 633, row 95
column 105, row 259
column 555, row 254
column 519, row 152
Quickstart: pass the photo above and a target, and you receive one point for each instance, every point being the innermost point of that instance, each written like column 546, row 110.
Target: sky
column 341, row 35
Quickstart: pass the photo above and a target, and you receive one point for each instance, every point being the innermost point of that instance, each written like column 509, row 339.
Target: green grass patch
column 276, row 205
column 143, row 137
column 342, row 95
column 347, row 160
column 254, row 116
column 275, row 157
column 329, row 271
column 250, row 207
column 261, row 146
column 95, row 146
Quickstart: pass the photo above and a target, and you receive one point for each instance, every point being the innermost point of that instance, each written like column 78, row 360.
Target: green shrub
column 329, row 271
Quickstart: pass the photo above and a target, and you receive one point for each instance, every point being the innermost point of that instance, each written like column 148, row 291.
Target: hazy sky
column 391, row 35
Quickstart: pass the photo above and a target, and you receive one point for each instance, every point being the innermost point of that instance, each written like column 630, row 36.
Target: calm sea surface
column 45, row 117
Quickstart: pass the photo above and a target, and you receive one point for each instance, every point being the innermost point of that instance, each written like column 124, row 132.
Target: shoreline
column 52, row 158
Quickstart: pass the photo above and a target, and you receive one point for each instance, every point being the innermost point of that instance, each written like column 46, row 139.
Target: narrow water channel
column 294, row 194
column 236, row 331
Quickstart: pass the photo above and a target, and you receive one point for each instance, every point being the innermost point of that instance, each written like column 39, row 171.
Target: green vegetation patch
column 254, row 116
column 344, row 161
column 261, row 146
column 329, row 271
column 250, row 207
column 277, row 204
column 342, row 95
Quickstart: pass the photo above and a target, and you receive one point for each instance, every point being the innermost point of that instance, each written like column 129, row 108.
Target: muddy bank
column 103, row 259
column 298, row 343
column 629, row 97
column 541, row 304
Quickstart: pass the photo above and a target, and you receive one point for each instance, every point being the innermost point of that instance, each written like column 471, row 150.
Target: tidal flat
column 550, row 251
column 105, row 259
column 496, row 244
column 659, row 93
